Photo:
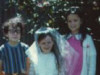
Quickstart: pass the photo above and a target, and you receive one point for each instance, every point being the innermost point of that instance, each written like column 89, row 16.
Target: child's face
column 74, row 23
column 14, row 34
column 46, row 44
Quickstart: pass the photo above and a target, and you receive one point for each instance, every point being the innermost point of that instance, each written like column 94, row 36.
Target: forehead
column 47, row 38
column 73, row 16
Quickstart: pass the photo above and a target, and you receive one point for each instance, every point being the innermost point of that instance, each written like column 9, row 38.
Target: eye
column 49, row 42
column 43, row 43
column 69, row 21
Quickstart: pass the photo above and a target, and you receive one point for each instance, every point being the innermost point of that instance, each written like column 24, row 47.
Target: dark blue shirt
column 13, row 57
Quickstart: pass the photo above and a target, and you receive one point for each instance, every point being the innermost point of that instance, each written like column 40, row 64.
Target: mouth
column 46, row 48
column 14, row 38
column 73, row 26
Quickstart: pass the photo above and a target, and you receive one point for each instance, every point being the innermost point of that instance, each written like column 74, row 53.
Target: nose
column 72, row 23
column 47, row 45
column 15, row 33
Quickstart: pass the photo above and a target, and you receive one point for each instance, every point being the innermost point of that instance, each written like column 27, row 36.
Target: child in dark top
column 12, row 54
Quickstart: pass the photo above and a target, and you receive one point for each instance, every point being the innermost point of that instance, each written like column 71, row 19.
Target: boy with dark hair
column 12, row 54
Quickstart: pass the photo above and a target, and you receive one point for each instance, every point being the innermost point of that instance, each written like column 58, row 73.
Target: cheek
column 51, row 46
column 69, row 26
column 78, row 25
column 42, row 46
column 9, row 36
column 19, row 36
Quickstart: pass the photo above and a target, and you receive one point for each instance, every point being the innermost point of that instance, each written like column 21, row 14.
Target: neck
column 13, row 43
column 75, row 32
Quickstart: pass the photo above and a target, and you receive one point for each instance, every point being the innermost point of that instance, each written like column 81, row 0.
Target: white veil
column 68, row 57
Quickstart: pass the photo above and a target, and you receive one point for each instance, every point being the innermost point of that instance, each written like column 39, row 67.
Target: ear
column 6, row 35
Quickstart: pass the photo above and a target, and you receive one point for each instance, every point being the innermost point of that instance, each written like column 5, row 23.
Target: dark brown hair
column 14, row 22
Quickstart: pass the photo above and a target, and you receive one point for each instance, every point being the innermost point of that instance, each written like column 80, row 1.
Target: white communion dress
column 46, row 65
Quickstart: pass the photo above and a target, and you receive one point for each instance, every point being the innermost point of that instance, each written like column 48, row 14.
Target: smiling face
column 74, row 23
column 46, row 44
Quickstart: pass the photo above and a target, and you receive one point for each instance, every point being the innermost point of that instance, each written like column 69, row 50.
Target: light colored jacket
column 89, row 55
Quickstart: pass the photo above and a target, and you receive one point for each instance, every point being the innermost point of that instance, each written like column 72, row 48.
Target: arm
column 27, row 59
column 32, row 69
column 0, row 66
column 1, row 72
column 92, row 57
column 27, row 66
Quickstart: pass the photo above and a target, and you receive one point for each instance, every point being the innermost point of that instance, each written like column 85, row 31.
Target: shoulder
column 24, row 45
column 1, row 47
column 64, row 36
column 88, row 37
column 88, row 40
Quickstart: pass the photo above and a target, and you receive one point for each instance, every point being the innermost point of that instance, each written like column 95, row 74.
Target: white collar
column 77, row 36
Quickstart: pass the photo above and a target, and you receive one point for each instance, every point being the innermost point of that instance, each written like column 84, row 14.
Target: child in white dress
column 44, row 54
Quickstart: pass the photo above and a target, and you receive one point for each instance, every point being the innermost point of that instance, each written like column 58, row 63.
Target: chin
column 15, row 40
column 46, row 51
column 74, row 30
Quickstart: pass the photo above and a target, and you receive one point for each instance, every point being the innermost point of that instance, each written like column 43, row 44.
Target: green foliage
column 52, row 13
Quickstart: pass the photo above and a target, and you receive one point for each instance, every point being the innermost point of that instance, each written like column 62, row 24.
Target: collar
column 77, row 36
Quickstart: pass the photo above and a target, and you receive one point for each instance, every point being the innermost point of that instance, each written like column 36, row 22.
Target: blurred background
column 52, row 13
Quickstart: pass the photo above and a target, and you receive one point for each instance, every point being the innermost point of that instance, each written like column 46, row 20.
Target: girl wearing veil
column 47, row 53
